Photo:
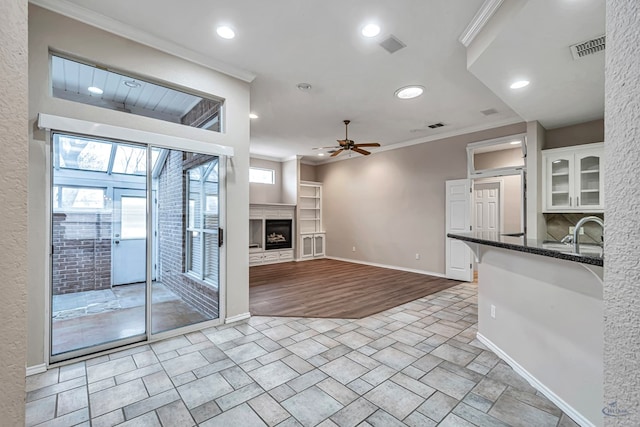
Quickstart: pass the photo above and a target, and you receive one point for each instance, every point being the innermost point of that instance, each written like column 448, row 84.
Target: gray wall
column 266, row 193
column 583, row 133
column 391, row 205
column 13, row 193
column 88, row 42
column 622, row 201
column 498, row 159
column 307, row 172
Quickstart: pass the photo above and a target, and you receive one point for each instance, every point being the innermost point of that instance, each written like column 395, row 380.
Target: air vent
column 392, row 44
column 436, row 125
column 589, row 47
column 489, row 112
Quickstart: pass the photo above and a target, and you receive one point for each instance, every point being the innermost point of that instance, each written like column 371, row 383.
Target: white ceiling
column 287, row 42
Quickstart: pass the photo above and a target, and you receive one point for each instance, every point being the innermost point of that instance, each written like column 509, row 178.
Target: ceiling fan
column 347, row 144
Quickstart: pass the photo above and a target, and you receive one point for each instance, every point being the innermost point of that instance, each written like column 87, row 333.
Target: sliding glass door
column 135, row 249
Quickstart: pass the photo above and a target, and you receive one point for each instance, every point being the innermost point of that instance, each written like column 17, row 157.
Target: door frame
column 492, row 180
column 51, row 124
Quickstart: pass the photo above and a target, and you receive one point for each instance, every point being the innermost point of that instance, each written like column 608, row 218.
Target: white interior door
column 486, row 206
column 458, row 220
column 128, row 249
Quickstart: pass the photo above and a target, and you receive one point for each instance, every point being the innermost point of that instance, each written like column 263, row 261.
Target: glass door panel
column 590, row 181
column 98, row 289
column 560, row 184
column 186, row 289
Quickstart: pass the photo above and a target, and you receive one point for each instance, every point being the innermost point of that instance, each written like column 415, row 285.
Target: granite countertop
column 590, row 253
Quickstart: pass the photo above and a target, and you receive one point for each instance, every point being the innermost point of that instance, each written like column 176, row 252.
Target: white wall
column 13, row 209
column 622, row 201
column 391, row 205
column 49, row 30
column 548, row 319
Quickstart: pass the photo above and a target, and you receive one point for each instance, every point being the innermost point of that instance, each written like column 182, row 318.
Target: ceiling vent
column 392, row 44
column 580, row 50
column 489, row 112
column 436, row 125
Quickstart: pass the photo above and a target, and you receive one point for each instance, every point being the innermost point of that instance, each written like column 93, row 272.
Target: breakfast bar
column 540, row 309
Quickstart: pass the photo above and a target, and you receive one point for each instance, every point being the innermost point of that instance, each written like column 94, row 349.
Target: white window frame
column 271, row 171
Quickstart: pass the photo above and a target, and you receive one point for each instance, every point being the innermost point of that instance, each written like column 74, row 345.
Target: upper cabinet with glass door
column 573, row 179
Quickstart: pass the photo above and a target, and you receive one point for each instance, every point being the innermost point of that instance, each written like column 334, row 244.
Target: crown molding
column 89, row 17
column 487, row 10
column 450, row 134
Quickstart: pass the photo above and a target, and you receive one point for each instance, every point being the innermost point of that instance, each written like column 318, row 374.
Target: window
column 202, row 221
column 262, row 176
column 88, row 84
column 66, row 197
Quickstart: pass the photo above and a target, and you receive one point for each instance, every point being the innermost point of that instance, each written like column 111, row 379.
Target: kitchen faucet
column 576, row 231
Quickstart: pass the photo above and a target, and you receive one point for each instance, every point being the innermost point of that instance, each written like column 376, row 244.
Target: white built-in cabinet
column 573, row 179
column 311, row 234
column 258, row 215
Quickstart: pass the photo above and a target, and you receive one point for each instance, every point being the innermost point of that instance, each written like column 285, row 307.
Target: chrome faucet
column 576, row 231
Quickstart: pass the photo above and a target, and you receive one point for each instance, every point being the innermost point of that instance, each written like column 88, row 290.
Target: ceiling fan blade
column 325, row 148
column 368, row 144
column 337, row 152
column 363, row 152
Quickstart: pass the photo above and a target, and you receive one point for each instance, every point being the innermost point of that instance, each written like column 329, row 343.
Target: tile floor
column 418, row 364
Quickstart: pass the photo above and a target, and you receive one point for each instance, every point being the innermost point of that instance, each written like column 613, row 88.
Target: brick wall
column 81, row 252
column 171, row 239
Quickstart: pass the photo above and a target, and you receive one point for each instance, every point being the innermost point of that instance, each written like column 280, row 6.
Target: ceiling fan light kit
column 349, row 145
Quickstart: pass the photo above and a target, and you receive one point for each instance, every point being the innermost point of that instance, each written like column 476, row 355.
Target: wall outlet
column 417, row 256
column 493, row 311
column 353, row 249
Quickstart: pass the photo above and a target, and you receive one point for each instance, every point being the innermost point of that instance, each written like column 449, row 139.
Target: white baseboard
column 37, row 369
column 559, row 402
column 392, row 267
column 237, row 317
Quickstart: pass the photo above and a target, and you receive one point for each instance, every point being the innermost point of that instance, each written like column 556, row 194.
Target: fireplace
column 278, row 234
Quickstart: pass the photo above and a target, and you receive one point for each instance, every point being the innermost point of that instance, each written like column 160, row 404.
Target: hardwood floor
column 330, row 288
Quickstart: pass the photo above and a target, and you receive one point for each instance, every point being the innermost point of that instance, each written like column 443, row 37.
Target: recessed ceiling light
column 304, row 86
column 253, row 116
column 225, row 32
column 131, row 83
column 320, row 154
column 370, row 30
column 519, row 84
column 96, row 90
column 514, row 142
column 409, row 92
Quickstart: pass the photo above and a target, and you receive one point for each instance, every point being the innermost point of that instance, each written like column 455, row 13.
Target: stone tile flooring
column 418, row 364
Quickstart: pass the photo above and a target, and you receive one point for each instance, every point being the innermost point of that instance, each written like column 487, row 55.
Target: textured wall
column 622, row 201
column 13, row 208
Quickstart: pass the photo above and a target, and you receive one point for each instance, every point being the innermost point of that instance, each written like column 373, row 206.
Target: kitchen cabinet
column 573, row 179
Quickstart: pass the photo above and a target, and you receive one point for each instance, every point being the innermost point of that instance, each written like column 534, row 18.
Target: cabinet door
column 318, row 244
column 306, row 246
column 589, row 179
column 559, row 181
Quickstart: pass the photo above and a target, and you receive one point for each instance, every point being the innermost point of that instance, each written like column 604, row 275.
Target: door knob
column 116, row 242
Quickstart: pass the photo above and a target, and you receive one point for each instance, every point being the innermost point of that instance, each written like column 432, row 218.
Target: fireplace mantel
column 258, row 215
